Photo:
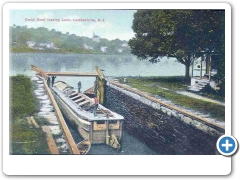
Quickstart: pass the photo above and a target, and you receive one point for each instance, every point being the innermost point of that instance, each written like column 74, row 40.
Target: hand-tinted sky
column 114, row 23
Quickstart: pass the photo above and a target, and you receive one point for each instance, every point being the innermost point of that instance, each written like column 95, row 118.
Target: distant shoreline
column 61, row 52
column 57, row 52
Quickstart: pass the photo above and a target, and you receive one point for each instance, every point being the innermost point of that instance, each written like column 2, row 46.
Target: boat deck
column 81, row 105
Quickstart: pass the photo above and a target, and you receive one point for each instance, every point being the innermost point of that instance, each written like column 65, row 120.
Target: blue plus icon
column 227, row 145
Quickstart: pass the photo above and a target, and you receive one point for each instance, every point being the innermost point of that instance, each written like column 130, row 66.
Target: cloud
column 110, row 28
column 45, row 15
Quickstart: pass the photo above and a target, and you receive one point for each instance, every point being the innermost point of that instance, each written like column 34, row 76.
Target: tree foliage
column 66, row 42
column 183, row 34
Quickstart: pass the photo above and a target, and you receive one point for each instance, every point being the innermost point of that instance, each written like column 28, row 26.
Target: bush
column 21, row 97
column 23, row 139
column 221, row 91
column 209, row 90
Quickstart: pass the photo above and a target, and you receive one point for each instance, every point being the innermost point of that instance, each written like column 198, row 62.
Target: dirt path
column 192, row 95
column 196, row 96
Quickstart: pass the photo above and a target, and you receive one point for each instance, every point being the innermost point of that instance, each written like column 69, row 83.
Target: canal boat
column 99, row 125
column 84, row 146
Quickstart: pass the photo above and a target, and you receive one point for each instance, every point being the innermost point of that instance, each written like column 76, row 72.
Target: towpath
column 196, row 96
column 192, row 95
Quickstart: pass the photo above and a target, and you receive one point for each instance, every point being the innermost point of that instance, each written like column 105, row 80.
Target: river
column 113, row 65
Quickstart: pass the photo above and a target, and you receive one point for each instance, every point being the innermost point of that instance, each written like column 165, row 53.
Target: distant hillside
column 24, row 39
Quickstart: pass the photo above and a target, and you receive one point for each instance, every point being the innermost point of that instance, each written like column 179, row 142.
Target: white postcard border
column 109, row 164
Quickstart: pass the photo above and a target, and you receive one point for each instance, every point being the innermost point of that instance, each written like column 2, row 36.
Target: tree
column 183, row 34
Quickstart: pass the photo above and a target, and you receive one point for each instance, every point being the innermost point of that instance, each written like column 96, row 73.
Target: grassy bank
column 23, row 139
column 26, row 49
column 165, row 87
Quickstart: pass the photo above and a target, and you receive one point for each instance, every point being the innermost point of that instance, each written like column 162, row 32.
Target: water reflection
column 114, row 65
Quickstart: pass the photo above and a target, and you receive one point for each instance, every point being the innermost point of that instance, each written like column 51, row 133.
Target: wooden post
column 120, row 128
column 107, row 133
column 91, row 133
column 100, row 85
column 192, row 66
column 95, row 86
column 209, row 67
column 102, row 91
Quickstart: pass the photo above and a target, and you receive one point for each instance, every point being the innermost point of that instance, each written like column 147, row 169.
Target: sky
column 110, row 24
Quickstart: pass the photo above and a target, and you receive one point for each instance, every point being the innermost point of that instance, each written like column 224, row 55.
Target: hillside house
column 31, row 44
column 85, row 46
column 104, row 49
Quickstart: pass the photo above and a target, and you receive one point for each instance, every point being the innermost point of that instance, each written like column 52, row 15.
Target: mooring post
column 100, row 85
column 107, row 133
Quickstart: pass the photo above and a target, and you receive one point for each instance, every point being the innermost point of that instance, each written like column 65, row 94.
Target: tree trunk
column 187, row 68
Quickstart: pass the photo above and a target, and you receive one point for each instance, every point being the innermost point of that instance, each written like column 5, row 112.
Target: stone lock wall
column 157, row 128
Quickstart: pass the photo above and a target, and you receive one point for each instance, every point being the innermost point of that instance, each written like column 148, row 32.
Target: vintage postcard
column 86, row 81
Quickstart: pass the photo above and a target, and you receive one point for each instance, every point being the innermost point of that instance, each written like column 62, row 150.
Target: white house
column 87, row 47
column 30, row 43
column 125, row 45
column 104, row 48
column 48, row 45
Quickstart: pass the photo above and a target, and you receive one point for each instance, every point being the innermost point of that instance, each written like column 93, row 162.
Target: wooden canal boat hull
column 98, row 131
column 82, row 125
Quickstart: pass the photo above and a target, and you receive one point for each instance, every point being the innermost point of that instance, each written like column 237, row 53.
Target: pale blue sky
column 117, row 23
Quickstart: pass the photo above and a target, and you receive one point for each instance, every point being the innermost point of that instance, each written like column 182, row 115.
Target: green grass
column 23, row 139
column 21, row 97
column 176, row 83
column 173, row 83
column 154, row 86
column 213, row 96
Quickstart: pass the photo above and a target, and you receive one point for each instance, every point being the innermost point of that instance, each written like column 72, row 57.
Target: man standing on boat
column 53, row 79
column 48, row 81
column 96, row 102
column 79, row 86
